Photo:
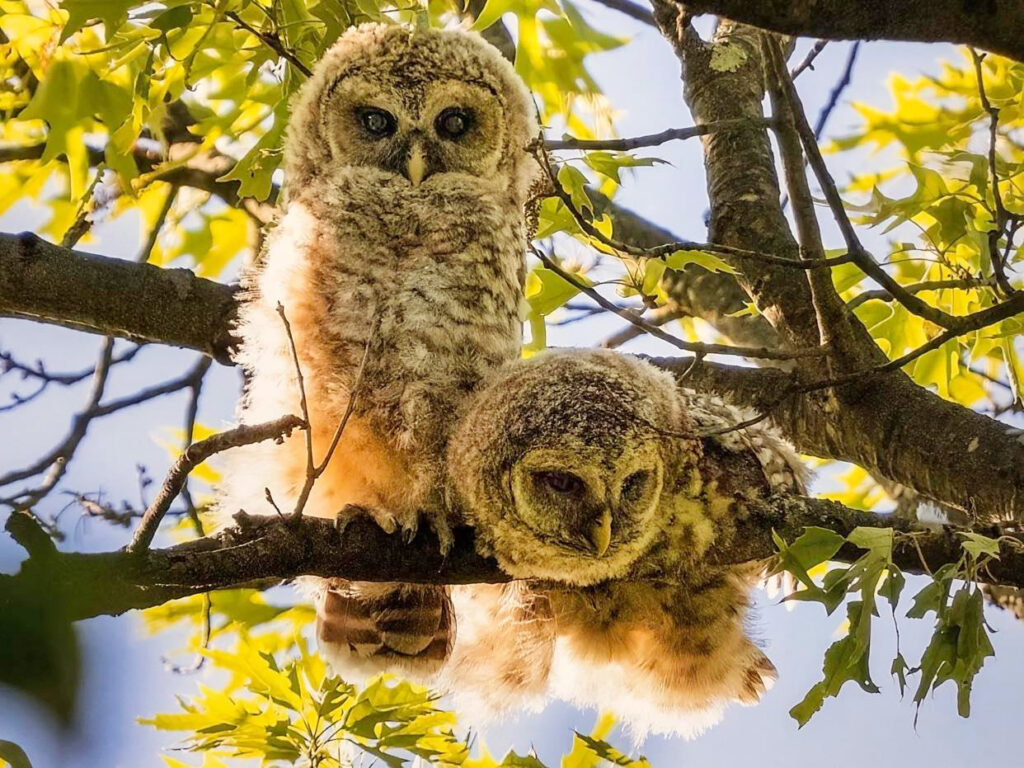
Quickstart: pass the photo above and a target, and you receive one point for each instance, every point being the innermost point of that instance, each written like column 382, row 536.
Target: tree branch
column 995, row 26
column 268, row 549
column 141, row 302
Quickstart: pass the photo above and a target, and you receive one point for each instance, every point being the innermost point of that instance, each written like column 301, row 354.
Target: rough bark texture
column 267, row 550
column 995, row 25
column 885, row 423
column 141, row 302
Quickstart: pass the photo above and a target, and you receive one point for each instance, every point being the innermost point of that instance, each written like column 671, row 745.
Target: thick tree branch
column 270, row 549
column 995, row 25
column 44, row 282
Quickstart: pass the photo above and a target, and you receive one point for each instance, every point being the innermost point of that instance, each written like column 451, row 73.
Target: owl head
column 421, row 105
column 559, row 462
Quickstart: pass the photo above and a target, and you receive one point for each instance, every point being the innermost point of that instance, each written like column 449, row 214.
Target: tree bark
column 44, row 282
column 266, row 550
column 995, row 25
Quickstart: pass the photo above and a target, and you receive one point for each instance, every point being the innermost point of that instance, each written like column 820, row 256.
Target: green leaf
column 14, row 755
column 113, row 14
column 877, row 540
column 978, row 545
column 609, row 754
column 492, row 11
column 546, row 291
column 609, row 164
column 710, row 262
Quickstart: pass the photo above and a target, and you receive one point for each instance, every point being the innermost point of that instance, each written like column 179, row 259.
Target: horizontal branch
column 141, row 302
column 996, row 26
column 266, row 550
column 648, row 140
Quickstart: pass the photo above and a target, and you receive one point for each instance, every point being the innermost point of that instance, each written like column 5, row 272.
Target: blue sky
column 124, row 676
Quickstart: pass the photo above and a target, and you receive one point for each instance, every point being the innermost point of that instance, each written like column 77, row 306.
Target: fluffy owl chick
column 667, row 643
column 560, row 463
column 402, row 238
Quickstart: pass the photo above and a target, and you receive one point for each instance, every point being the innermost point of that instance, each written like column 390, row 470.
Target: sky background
column 123, row 673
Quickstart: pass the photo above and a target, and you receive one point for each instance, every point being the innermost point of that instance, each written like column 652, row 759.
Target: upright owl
column 402, row 239
column 594, row 470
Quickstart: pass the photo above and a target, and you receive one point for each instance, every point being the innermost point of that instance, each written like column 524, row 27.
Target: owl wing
column 368, row 628
column 782, row 469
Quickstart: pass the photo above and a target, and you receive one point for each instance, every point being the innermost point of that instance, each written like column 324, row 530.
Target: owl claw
column 386, row 520
column 409, row 531
column 441, row 526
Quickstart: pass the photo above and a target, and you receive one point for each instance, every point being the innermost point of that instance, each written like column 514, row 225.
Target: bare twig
column 926, row 285
column 862, row 258
column 38, row 372
column 272, row 41
column 837, row 90
column 667, row 249
column 631, row 9
column 660, row 316
column 690, row 346
column 57, row 459
column 999, row 215
column 649, row 140
column 191, row 413
column 808, row 62
column 314, row 470
column 195, row 455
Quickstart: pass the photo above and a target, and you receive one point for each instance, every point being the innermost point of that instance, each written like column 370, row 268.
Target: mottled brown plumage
column 647, row 625
column 403, row 236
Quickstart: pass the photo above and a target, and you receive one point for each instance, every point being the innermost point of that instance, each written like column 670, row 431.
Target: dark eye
column 453, row 123
column 377, row 122
column 633, row 485
column 560, row 482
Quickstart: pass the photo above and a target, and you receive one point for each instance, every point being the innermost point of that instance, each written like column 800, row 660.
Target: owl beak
column 416, row 167
column 601, row 532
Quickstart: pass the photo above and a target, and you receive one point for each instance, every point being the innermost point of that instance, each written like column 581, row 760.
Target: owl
column 595, row 479
column 398, row 260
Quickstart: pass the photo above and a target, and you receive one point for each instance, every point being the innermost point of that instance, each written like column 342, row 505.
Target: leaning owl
column 398, row 260
column 594, row 470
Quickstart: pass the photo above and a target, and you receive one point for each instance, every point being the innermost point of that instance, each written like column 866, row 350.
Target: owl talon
column 386, row 520
column 409, row 533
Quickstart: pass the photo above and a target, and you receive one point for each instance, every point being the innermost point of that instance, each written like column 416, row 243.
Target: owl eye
column 377, row 122
column 453, row 123
column 560, row 482
column 633, row 486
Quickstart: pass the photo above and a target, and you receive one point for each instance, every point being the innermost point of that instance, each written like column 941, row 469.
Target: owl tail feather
column 367, row 628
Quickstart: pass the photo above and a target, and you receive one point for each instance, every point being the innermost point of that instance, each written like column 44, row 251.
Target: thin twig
column 303, row 405
column 861, row 257
column 272, row 41
column 837, row 91
column 313, row 472
column 652, row 139
column 8, row 363
column 660, row 316
column 808, row 62
column 57, row 459
column 631, row 9
column 195, row 455
column 926, row 285
column 1000, row 216
column 762, row 353
column 667, row 249
column 191, row 414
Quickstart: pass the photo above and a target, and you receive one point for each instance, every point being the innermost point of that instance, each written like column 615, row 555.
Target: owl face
column 589, row 511
column 425, row 106
column 560, row 461
column 416, row 133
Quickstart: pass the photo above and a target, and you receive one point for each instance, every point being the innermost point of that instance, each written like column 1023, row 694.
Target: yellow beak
column 417, row 166
column 601, row 533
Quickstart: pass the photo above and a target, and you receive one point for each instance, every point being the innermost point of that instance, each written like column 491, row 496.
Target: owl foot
column 386, row 520
column 439, row 523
